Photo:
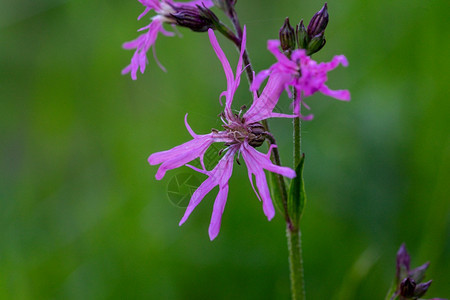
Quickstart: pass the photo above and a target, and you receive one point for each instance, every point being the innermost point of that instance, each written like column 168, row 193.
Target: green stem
column 297, row 141
column 297, row 129
column 293, row 233
column 296, row 263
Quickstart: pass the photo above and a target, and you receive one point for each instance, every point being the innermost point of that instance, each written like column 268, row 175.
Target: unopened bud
column 407, row 287
column 403, row 261
column 302, row 35
column 287, row 36
column 313, row 38
column 421, row 289
column 197, row 18
column 318, row 22
column 418, row 274
column 315, row 44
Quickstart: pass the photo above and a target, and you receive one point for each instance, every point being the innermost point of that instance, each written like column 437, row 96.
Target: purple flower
column 165, row 9
column 403, row 266
column 241, row 135
column 303, row 73
column 409, row 282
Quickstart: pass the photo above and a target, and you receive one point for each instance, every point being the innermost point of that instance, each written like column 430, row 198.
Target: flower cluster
column 241, row 135
column 244, row 131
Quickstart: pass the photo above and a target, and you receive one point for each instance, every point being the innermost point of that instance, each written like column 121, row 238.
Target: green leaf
column 276, row 192
column 297, row 195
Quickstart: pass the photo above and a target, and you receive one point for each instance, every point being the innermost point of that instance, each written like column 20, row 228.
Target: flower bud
column 318, row 22
column 421, row 289
column 315, row 44
column 197, row 18
column 418, row 274
column 403, row 261
column 313, row 38
column 407, row 287
column 302, row 35
column 408, row 284
column 287, row 36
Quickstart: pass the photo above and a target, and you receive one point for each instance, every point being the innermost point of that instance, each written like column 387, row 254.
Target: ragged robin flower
column 188, row 14
column 302, row 73
column 241, row 134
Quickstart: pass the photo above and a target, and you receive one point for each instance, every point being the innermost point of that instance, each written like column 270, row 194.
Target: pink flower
column 241, row 135
column 165, row 9
column 303, row 73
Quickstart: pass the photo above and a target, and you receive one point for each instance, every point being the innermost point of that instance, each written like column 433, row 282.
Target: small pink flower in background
column 303, row 73
column 165, row 9
column 241, row 135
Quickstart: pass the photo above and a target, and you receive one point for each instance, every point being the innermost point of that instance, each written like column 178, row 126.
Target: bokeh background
column 82, row 216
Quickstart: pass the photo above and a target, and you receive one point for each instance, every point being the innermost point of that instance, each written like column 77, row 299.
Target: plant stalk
column 294, row 233
column 296, row 263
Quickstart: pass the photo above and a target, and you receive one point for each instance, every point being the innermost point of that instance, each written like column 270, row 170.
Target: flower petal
column 232, row 81
column 226, row 67
column 142, row 44
column 218, row 176
column 256, row 163
column 180, row 155
column 263, row 106
column 338, row 94
column 274, row 47
column 188, row 127
column 219, row 206
column 239, row 70
column 258, row 79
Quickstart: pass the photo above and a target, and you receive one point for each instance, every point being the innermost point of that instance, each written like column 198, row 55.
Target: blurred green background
column 82, row 216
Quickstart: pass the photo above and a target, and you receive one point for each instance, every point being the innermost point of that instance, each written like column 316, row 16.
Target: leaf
column 276, row 192
column 297, row 195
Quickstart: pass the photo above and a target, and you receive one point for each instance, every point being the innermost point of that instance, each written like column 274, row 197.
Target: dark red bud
column 318, row 22
column 287, row 36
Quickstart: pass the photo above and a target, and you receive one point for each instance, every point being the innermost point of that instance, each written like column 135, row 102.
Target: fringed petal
column 256, row 163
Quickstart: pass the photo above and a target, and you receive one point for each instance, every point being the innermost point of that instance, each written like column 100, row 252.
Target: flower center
column 257, row 134
column 239, row 131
